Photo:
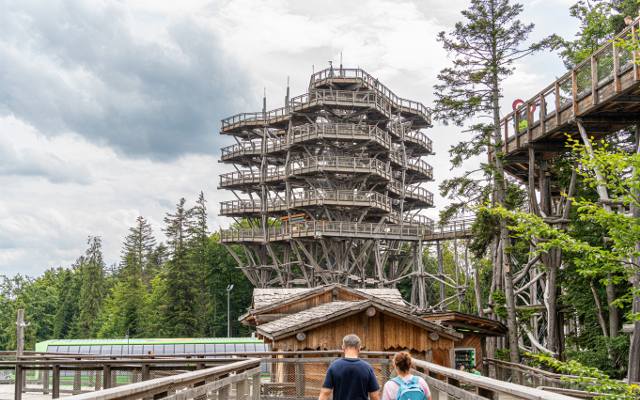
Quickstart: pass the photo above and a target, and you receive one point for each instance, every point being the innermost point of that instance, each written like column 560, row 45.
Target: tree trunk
column 603, row 194
column 600, row 314
column 500, row 190
column 634, row 349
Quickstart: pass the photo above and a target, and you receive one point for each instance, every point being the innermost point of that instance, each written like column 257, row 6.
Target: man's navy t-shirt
column 350, row 379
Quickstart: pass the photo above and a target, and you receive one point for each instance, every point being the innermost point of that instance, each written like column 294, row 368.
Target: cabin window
column 210, row 348
column 189, row 348
column 200, row 348
column 52, row 349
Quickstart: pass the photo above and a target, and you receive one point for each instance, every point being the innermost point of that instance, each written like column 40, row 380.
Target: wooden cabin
column 471, row 349
column 318, row 319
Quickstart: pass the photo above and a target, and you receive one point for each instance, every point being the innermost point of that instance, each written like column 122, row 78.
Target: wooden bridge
column 602, row 92
column 266, row 376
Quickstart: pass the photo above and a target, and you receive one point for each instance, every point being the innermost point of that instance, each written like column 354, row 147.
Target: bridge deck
column 603, row 92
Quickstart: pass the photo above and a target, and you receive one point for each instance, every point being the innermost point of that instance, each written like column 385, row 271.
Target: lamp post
column 229, row 289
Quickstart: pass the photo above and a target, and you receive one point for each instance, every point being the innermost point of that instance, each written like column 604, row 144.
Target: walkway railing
column 238, row 380
column 311, row 132
column 463, row 385
column 326, row 75
column 610, row 71
column 308, row 198
column 269, row 376
column 316, row 229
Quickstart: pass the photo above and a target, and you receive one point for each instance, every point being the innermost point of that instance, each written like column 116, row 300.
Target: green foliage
column 587, row 378
column 158, row 290
column 600, row 21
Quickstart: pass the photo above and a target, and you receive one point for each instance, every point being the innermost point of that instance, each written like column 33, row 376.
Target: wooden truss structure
column 330, row 187
column 599, row 97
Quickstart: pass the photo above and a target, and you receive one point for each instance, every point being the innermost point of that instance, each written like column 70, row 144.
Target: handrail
column 372, row 83
column 583, row 79
column 315, row 228
column 166, row 384
column 306, row 132
column 303, row 165
column 374, row 97
column 303, row 198
column 486, row 384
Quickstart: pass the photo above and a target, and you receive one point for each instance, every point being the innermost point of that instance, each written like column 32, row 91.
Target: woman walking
column 405, row 386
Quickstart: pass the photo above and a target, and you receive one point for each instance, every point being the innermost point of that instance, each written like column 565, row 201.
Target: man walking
column 350, row 378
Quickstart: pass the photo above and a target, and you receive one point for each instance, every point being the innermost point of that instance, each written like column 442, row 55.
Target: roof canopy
column 467, row 322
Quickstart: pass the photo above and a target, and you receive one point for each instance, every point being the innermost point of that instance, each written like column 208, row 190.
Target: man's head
column 351, row 345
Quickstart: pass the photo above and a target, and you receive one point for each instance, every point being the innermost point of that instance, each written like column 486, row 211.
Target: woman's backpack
column 410, row 390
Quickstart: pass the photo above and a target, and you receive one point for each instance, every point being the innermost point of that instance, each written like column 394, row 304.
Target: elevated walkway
column 377, row 139
column 455, row 229
column 310, row 198
column 247, row 376
column 603, row 92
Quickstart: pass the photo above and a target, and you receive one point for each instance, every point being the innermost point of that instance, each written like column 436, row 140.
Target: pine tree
column 122, row 314
column 198, row 255
column 181, row 311
column 137, row 249
column 484, row 46
column 91, row 267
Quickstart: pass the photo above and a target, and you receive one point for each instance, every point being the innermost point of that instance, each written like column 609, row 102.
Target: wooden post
column 616, row 69
column 543, row 118
column 97, row 379
column 574, row 92
column 45, row 381
column 241, row 390
column 634, row 38
column 556, row 88
column 145, row 372
column 441, row 274
column 55, row 384
column 20, row 375
column 255, row 383
column 18, row 382
column 20, row 333
column 77, row 380
column 299, row 379
column 106, row 376
column 594, row 81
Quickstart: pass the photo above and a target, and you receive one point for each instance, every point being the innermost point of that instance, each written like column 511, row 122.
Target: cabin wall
column 381, row 332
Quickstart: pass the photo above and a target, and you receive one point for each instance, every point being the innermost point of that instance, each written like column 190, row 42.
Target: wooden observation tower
column 330, row 187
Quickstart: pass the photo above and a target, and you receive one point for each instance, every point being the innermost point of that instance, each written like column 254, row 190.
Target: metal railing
column 607, row 72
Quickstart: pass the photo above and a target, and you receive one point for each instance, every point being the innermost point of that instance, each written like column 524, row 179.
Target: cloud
column 111, row 109
column 44, row 222
column 146, row 85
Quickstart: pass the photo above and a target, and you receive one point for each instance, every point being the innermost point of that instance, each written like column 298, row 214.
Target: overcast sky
column 111, row 109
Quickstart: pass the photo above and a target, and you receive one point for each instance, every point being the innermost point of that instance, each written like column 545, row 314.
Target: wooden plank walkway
column 603, row 92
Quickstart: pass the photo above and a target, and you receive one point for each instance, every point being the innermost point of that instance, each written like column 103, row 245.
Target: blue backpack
column 409, row 390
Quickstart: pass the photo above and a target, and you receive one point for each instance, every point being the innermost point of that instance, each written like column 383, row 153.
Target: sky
column 111, row 109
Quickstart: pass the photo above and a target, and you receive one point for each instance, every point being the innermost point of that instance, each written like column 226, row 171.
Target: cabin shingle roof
column 263, row 297
column 312, row 314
